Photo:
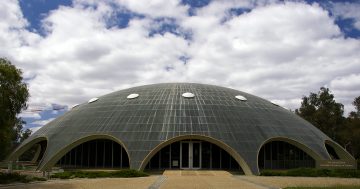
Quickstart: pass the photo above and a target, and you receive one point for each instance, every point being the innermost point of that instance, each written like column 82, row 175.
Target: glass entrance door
column 190, row 155
column 196, row 160
column 184, row 155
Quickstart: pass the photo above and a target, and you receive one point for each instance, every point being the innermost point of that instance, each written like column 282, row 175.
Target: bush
column 311, row 172
column 6, row 178
column 126, row 173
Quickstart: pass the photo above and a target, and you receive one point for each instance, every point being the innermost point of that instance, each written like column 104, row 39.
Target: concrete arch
column 23, row 148
column 341, row 152
column 59, row 154
column 217, row 142
column 301, row 146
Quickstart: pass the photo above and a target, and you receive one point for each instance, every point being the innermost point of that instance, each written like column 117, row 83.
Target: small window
column 188, row 95
column 274, row 103
column 132, row 96
column 93, row 100
column 74, row 106
column 240, row 97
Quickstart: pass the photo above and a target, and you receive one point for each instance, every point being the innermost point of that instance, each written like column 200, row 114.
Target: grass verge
column 331, row 187
column 7, row 178
column 311, row 172
column 126, row 173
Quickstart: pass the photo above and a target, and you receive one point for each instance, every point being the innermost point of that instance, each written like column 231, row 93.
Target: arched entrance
column 192, row 154
column 33, row 152
column 98, row 153
column 336, row 152
column 278, row 154
column 94, row 149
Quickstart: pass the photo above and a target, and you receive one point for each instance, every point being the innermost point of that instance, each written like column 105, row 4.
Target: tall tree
column 323, row 111
column 13, row 96
column 351, row 133
column 356, row 103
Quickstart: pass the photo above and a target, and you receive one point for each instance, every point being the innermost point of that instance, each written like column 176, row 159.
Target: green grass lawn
column 333, row 187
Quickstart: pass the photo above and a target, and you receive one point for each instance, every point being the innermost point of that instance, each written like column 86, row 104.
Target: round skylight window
column 242, row 98
column 74, row 106
column 93, row 100
column 131, row 96
column 188, row 95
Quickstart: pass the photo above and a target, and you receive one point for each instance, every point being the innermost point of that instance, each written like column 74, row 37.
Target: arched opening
column 30, row 153
column 98, row 153
column 331, row 151
column 283, row 155
column 35, row 153
column 336, row 152
column 192, row 154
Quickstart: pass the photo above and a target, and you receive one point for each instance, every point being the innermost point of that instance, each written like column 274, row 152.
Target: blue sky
column 35, row 10
column 71, row 51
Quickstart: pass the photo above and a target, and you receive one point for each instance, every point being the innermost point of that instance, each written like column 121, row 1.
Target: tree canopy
column 323, row 111
column 13, row 96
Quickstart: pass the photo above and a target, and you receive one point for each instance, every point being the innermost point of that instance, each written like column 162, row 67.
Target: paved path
column 206, row 179
column 189, row 180
column 282, row 182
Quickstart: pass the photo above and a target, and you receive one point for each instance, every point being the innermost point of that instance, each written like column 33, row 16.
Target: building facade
column 182, row 126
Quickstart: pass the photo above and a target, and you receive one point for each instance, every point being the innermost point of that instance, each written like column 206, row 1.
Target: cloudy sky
column 71, row 51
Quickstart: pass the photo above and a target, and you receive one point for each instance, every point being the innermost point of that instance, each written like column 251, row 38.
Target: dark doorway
column 192, row 154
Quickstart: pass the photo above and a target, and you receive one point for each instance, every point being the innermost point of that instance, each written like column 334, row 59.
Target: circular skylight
column 274, row 103
column 74, row 106
column 188, row 95
column 242, row 98
column 131, row 96
column 93, row 100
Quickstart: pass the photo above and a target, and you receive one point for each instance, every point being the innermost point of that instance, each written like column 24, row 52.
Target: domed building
column 182, row 126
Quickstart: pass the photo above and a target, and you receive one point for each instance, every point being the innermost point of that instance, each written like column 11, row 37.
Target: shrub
column 129, row 173
column 311, row 172
column 6, row 178
column 126, row 173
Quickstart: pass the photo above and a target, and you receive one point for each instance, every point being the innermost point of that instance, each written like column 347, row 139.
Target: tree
column 351, row 133
column 13, row 96
column 356, row 103
column 323, row 111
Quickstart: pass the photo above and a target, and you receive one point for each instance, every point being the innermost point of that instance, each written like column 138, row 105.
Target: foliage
column 311, row 172
column 350, row 134
column 6, row 178
column 323, row 111
column 125, row 173
column 13, row 97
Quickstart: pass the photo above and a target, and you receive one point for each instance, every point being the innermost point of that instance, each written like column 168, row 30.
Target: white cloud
column 42, row 122
column 32, row 115
column 279, row 51
column 348, row 10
